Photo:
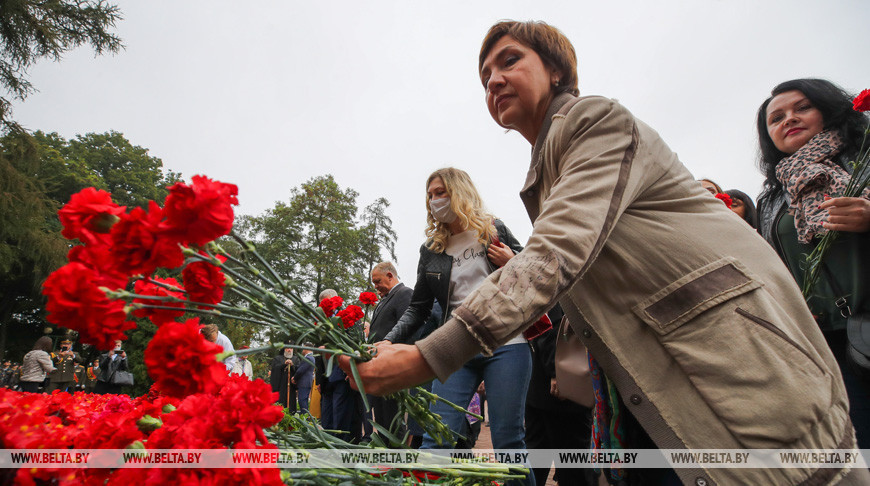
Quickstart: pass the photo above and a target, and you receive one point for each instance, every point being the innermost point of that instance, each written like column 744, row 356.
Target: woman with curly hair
column 807, row 134
column 465, row 245
column 702, row 340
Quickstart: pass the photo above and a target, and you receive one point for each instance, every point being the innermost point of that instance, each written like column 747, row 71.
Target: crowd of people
column 697, row 333
column 45, row 370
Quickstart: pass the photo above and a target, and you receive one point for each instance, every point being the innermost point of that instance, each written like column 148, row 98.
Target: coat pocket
column 738, row 348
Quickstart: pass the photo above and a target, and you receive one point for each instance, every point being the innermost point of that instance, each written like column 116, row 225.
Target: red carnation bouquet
column 110, row 278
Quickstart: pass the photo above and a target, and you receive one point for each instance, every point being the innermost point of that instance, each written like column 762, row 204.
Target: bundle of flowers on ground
column 193, row 404
column 232, row 417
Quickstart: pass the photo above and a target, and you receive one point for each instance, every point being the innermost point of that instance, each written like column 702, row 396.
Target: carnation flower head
column 368, row 298
column 138, row 244
column 199, row 212
column 75, row 302
column 204, row 282
column 862, row 101
column 350, row 315
column 97, row 258
column 243, row 408
column 725, row 198
column 182, row 362
column 89, row 215
column 330, row 305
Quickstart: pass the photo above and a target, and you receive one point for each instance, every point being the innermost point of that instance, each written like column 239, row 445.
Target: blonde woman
column 465, row 244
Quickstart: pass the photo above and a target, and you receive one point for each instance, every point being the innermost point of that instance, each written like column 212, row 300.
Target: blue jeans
column 506, row 374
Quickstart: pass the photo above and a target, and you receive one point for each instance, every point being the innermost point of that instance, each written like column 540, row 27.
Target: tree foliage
column 38, row 174
column 34, row 29
column 377, row 232
column 315, row 240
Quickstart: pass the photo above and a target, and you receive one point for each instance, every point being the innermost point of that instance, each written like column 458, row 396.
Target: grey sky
column 267, row 94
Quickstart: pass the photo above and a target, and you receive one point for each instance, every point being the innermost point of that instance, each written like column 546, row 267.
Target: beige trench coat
column 687, row 309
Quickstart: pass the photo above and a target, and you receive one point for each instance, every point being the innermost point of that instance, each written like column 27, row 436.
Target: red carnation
column 540, row 326
column 96, row 258
column 89, row 215
column 200, row 212
column 329, row 305
column 204, row 282
column 149, row 287
column 725, row 198
column 245, row 407
column 182, row 362
column 862, row 101
column 76, row 302
column 350, row 315
column 138, row 246
column 368, row 298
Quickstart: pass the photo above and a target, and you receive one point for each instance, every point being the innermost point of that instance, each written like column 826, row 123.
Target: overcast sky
column 268, row 94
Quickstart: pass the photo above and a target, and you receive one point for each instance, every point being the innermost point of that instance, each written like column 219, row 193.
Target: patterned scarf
column 607, row 430
column 807, row 176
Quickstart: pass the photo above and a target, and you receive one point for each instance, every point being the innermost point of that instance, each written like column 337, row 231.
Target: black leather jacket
column 433, row 282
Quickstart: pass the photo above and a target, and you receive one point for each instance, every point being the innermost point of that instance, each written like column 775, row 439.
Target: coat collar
column 534, row 169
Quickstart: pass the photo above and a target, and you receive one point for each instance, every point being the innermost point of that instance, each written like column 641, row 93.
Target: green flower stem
column 250, row 248
column 854, row 188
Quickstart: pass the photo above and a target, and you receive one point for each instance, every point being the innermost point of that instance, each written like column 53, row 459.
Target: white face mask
column 441, row 210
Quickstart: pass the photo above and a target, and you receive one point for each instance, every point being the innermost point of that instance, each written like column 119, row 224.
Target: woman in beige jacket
column 690, row 314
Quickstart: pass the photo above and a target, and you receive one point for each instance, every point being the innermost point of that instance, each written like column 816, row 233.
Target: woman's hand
column 394, row 368
column 499, row 254
column 847, row 214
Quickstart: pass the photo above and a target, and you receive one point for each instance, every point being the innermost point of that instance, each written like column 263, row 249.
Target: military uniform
column 63, row 378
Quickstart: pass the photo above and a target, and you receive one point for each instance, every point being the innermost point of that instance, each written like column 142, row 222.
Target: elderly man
column 395, row 298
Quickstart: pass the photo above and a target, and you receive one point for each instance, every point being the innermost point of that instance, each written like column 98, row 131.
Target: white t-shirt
column 470, row 268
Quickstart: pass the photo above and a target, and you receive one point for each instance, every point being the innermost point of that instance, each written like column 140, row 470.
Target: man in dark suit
column 395, row 297
column 303, row 378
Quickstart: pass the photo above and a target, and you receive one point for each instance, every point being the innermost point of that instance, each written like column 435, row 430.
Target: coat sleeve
column 418, row 309
column 593, row 152
column 306, row 366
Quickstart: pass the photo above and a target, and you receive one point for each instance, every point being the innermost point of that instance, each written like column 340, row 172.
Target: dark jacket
column 433, row 283
column 109, row 366
column 843, row 279
column 304, row 372
column 389, row 310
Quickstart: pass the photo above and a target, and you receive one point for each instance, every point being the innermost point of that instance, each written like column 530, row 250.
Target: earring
column 557, row 83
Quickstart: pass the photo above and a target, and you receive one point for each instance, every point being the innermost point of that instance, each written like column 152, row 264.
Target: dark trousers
column 30, row 386
column 385, row 410
column 326, row 415
column 360, row 423
column 304, row 394
column 105, row 388
column 550, row 429
column 60, row 385
column 342, row 409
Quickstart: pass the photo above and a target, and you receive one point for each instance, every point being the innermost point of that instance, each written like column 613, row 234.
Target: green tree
column 30, row 242
column 314, row 239
column 377, row 233
column 34, row 29
column 38, row 174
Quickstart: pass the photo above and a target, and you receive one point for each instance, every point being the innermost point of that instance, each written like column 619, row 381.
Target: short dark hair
column 547, row 41
column 43, row 344
column 837, row 113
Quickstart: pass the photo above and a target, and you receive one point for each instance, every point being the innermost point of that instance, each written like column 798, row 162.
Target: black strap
column 839, row 296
